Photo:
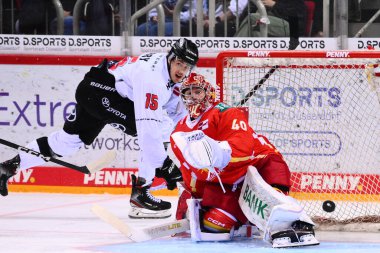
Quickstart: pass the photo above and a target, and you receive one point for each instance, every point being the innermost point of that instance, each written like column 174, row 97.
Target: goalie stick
column 257, row 86
column 143, row 234
column 293, row 43
column 92, row 167
column 169, row 228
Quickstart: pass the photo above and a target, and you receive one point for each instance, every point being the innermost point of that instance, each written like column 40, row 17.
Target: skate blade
column 306, row 240
column 142, row 213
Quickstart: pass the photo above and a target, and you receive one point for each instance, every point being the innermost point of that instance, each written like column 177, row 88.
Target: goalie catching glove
column 170, row 173
column 201, row 151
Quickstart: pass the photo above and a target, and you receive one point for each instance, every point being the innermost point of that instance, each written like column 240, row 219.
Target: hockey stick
column 258, row 85
column 143, row 234
column 168, row 228
column 92, row 167
column 293, row 43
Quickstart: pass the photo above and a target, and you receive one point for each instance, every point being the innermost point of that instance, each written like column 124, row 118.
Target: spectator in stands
column 188, row 18
column 220, row 18
column 317, row 27
column 234, row 9
column 223, row 16
column 354, row 10
column 150, row 28
column 33, row 15
column 100, row 17
column 68, row 8
column 9, row 10
column 287, row 18
column 354, row 15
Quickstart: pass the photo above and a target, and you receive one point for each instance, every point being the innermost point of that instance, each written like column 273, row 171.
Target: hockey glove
column 170, row 173
column 100, row 75
column 201, row 151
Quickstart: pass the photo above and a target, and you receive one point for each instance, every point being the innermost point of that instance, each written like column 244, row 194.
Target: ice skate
column 300, row 234
column 7, row 170
column 144, row 204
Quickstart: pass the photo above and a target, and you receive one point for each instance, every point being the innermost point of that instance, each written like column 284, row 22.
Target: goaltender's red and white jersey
column 146, row 81
column 224, row 123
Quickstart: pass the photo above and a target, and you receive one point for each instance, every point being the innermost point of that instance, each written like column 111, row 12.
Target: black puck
column 328, row 206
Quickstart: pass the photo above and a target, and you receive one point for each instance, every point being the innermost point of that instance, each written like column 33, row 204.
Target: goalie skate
column 301, row 234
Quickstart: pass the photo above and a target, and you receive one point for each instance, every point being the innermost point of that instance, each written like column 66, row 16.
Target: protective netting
column 323, row 116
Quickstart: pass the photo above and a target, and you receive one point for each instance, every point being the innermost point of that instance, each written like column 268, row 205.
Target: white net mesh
column 323, row 115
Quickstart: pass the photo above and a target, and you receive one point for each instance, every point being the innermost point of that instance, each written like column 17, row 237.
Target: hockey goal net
column 321, row 110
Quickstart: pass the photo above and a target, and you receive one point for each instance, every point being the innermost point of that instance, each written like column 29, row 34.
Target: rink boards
column 37, row 93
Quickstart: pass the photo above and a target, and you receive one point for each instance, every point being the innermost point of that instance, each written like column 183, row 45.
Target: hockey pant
column 98, row 104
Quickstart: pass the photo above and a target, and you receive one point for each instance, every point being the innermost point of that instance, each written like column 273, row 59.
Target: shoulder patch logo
column 222, row 107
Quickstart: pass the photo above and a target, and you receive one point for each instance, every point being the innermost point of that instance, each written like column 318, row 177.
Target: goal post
column 321, row 109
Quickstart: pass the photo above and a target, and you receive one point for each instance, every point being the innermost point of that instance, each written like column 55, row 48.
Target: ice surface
column 41, row 223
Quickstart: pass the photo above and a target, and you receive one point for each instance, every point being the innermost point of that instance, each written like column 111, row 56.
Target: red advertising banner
column 118, row 181
column 60, row 179
column 335, row 183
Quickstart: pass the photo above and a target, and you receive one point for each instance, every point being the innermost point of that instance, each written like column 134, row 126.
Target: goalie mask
column 197, row 94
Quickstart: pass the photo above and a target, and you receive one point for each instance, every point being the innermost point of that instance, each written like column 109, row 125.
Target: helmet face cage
column 197, row 106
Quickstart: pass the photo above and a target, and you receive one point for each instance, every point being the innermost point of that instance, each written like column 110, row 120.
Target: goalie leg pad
column 274, row 170
column 270, row 210
column 197, row 234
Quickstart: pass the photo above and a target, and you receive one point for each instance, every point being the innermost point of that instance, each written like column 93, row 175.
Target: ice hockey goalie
column 230, row 174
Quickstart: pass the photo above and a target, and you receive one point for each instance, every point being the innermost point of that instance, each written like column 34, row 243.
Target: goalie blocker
column 280, row 217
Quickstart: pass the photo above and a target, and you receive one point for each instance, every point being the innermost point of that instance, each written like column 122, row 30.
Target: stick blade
column 167, row 229
column 143, row 234
column 121, row 226
column 103, row 161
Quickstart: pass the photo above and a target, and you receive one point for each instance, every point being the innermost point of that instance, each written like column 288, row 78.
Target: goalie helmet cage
column 321, row 110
